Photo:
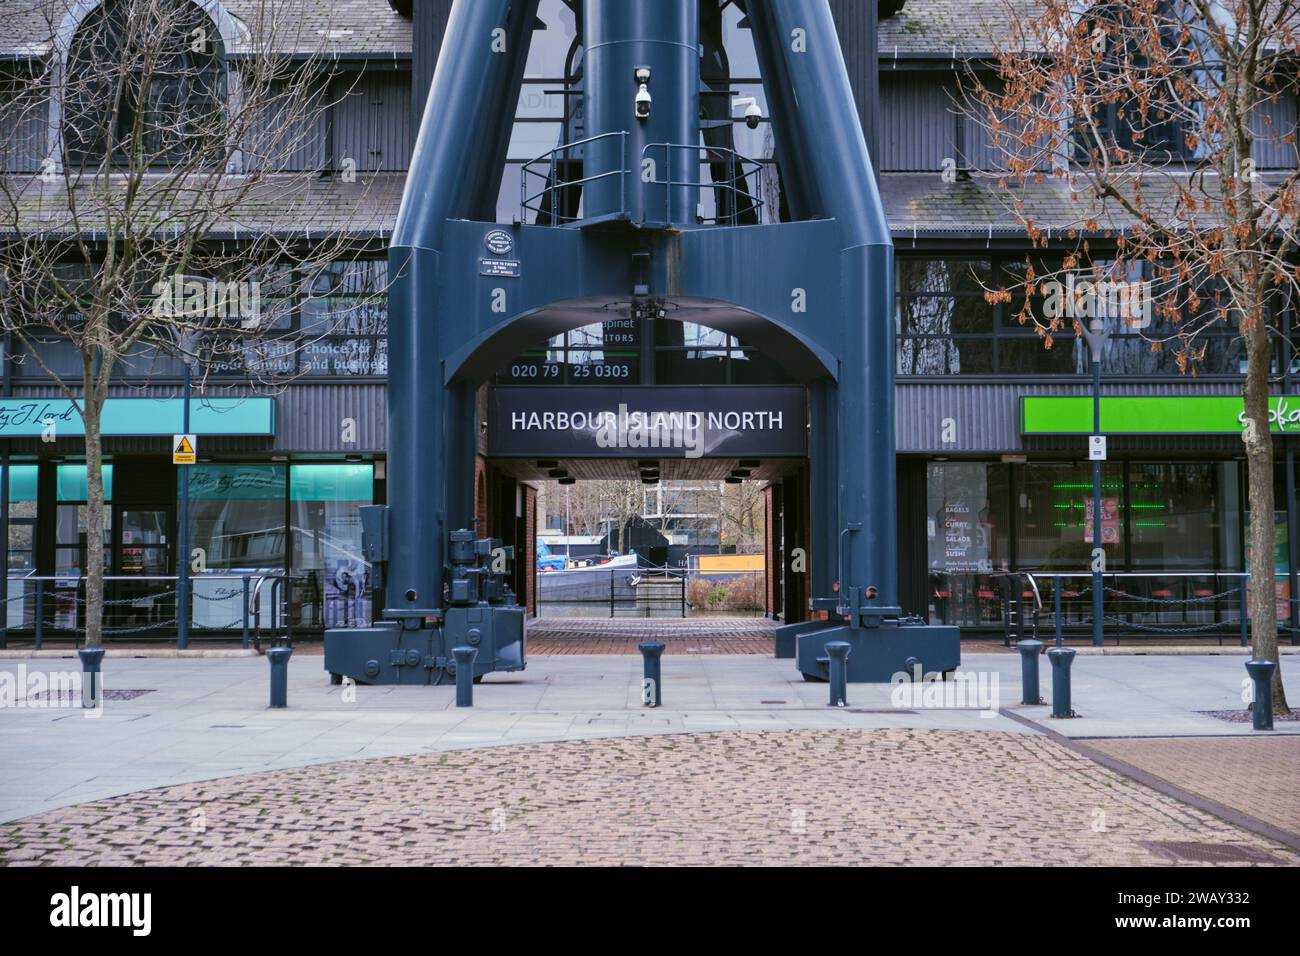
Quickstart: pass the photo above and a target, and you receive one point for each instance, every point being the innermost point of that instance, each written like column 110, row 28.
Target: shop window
column 22, row 519
column 70, row 519
column 237, row 517
column 1054, row 516
column 1176, row 516
column 326, row 525
column 1281, row 543
column 967, row 532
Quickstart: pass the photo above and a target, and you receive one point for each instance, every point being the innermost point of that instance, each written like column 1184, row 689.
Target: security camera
column 642, row 76
column 753, row 115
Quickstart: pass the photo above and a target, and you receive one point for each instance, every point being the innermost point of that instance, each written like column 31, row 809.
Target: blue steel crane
column 467, row 294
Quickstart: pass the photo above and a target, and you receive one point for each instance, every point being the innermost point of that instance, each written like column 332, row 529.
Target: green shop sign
column 32, row 417
column 1152, row 415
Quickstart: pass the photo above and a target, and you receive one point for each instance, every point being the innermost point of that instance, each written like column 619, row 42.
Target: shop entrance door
column 142, row 549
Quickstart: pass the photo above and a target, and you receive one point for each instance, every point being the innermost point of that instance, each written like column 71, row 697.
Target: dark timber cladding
column 812, row 286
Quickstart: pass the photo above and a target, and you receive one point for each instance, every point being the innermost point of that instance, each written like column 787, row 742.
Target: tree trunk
column 1262, row 534
column 94, row 522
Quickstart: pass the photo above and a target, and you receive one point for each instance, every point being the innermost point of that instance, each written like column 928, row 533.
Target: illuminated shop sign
column 59, row 418
column 1152, row 415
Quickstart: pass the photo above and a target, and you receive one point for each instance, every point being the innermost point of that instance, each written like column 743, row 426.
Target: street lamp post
column 1096, row 337
column 183, row 546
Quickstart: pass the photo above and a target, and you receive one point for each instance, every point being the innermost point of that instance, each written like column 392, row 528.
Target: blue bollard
column 1061, row 658
column 652, row 685
column 279, row 658
column 1029, row 651
column 1056, row 607
column 1261, row 710
column 92, row 686
column 464, row 675
column 838, row 652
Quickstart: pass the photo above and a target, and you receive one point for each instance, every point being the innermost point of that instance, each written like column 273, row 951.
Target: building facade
column 992, row 466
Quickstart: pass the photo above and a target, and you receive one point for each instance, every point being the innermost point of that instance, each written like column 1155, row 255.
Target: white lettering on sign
column 628, row 428
column 1282, row 415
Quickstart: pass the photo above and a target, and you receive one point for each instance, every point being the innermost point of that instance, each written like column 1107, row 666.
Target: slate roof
column 372, row 27
column 917, row 205
column 345, row 27
column 922, row 204
column 968, row 27
column 289, row 205
column 936, row 27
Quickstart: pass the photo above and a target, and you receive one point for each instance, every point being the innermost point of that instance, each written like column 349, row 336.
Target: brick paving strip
column 1257, row 776
column 893, row 796
column 710, row 635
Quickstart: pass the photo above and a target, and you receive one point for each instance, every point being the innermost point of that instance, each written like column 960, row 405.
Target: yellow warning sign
column 184, row 449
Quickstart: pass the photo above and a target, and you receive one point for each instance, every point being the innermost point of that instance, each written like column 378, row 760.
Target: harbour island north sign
column 670, row 421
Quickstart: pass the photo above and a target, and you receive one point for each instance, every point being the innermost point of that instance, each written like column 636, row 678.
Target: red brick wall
column 528, row 549
column 481, row 495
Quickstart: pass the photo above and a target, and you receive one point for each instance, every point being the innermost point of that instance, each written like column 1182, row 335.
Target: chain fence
column 54, row 607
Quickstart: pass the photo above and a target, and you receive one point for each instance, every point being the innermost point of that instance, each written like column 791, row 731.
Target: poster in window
column 1109, row 521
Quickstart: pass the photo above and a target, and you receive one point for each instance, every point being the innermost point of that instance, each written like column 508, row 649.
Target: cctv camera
column 642, row 77
column 753, row 115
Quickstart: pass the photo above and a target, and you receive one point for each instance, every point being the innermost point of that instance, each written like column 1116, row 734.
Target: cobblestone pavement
column 709, row 635
column 895, row 796
column 1215, row 768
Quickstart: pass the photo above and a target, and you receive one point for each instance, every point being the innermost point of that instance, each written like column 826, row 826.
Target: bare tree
column 578, row 505
column 150, row 228
column 742, row 519
column 1148, row 112
column 621, row 501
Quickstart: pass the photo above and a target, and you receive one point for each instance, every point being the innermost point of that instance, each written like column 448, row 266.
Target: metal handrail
column 75, row 582
column 553, row 187
column 277, row 610
column 1141, row 574
column 736, row 161
column 740, row 166
column 79, row 578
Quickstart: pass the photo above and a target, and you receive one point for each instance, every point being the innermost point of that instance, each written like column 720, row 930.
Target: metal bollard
column 38, row 623
column 838, row 652
column 92, row 685
column 1061, row 658
column 465, row 657
column 1244, row 624
column 279, row 658
column 247, row 580
column 1029, row 651
column 1261, row 711
column 652, row 686
column 1056, row 607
